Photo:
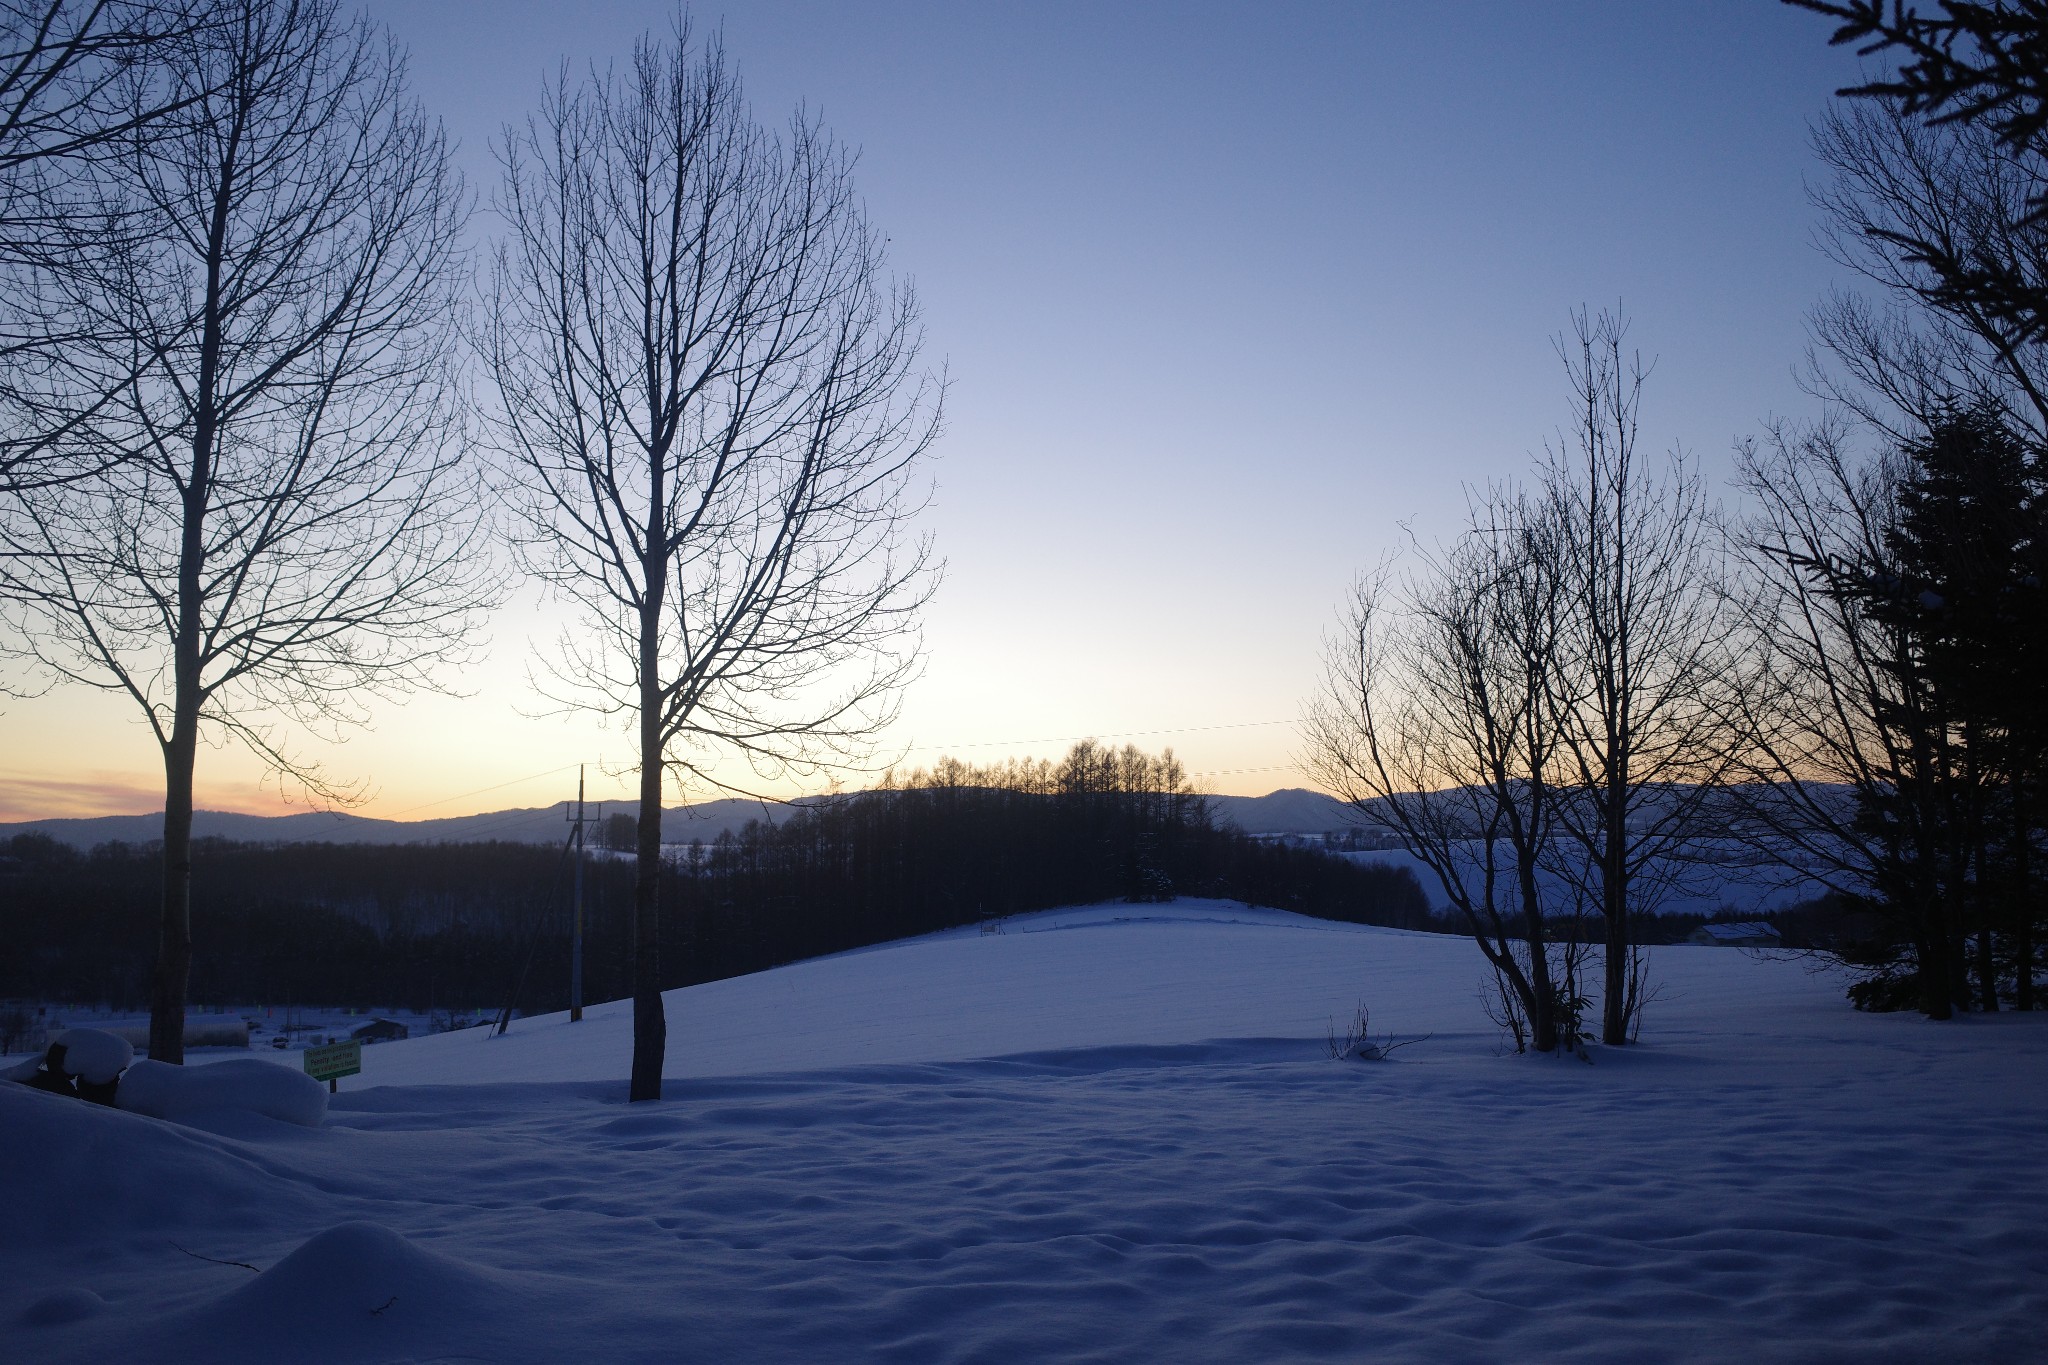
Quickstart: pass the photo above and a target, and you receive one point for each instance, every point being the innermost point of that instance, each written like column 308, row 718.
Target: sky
column 1233, row 301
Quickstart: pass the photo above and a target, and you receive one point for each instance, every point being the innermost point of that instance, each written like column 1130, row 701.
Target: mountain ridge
column 1291, row 810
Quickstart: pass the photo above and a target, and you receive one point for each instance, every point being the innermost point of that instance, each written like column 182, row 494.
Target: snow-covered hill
column 1291, row 810
column 1106, row 1134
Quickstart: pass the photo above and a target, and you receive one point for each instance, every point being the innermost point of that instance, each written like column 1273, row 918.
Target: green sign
column 335, row 1060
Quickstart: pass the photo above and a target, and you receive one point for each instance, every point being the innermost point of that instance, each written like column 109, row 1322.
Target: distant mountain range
column 542, row 825
column 1292, row 811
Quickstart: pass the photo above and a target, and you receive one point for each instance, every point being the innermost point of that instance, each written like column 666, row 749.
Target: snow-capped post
column 710, row 390
column 334, row 1061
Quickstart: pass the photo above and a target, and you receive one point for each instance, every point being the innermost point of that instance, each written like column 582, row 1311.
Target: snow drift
column 241, row 1085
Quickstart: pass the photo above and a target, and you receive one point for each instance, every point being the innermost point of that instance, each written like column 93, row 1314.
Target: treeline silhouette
column 473, row 926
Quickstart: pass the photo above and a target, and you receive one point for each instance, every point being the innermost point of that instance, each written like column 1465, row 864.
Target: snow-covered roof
column 1751, row 929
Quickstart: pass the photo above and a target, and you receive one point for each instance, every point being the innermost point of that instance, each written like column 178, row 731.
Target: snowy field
column 1104, row 1135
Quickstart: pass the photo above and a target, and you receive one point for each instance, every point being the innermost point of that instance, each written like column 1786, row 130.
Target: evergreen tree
column 1962, row 597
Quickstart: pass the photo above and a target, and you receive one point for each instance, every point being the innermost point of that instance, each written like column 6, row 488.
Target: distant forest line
column 473, row 926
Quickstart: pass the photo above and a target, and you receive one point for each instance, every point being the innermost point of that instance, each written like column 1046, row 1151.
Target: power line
column 1099, row 734
column 1237, row 772
column 442, row 801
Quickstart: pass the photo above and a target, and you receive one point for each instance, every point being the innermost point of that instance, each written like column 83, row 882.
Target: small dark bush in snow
column 1357, row 1043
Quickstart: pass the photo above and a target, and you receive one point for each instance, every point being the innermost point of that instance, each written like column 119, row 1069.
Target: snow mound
column 355, row 1270
column 94, row 1055
column 61, row 1306
column 84, row 1177
column 244, row 1085
column 357, row 1291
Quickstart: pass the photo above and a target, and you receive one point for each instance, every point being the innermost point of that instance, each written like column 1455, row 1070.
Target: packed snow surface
column 1106, row 1134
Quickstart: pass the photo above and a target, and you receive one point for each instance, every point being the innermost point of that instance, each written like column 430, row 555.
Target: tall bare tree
column 712, row 391
column 279, row 523
column 1438, row 721
column 1641, row 666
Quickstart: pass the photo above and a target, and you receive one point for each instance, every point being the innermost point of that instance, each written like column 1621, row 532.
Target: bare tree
column 1437, row 720
column 78, row 79
column 712, row 392
column 1834, row 727
column 279, row 525
column 1901, row 364
column 1641, row 669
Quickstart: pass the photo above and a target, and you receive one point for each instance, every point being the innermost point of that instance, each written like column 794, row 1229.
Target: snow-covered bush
column 94, row 1056
column 85, row 1062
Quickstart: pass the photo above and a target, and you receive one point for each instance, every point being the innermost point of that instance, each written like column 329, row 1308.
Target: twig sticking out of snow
column 216, row 1260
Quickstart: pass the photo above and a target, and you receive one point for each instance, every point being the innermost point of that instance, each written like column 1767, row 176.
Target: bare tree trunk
column 1931, row 947
column 181, row 751
column 1958, row 959
column 1987, row 971
column 2024, row 905
column 650, row 1025
column 1543, row 1032
column 1981, row 892
column 174, row 924
column 1616, row 1005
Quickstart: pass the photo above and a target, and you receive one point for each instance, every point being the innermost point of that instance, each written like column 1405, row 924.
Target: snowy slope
column 1103, row 1135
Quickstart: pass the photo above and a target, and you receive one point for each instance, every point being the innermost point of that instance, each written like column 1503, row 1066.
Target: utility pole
column 576, row 915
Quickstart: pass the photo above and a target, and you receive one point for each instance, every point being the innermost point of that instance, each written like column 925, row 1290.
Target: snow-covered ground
column 1108, row 1134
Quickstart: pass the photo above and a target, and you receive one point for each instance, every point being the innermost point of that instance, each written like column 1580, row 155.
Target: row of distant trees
column 239, row 476
column 1849, row 675
column 480, row 926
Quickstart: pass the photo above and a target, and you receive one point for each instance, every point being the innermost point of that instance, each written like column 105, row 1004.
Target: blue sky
column 1228, row 294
